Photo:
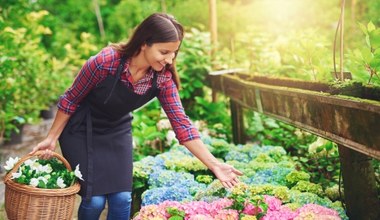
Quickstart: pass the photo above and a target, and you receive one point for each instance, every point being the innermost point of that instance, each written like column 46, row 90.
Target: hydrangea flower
column 313, row 211
column 169, row 178
column 306, row 186
column 282, row 213
column 266, row 169
column 274, row 176
column 146, row 166
column 158, row 195
column 237, row 156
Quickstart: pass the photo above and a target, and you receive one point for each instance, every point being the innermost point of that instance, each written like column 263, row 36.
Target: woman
column 93, row 121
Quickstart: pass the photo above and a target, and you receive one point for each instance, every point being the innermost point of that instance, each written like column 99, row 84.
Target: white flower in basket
column 49, row 174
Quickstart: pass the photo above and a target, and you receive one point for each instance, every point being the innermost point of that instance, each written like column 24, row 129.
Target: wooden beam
column 213, row 21
column 351, row 122
column 237, row 123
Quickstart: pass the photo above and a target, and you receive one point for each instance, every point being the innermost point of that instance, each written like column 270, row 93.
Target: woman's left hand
column 226, row 174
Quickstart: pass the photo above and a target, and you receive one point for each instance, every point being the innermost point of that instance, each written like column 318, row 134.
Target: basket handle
column 28, row 156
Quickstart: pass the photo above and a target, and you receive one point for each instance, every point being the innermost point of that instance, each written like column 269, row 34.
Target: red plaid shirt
column 105, row 63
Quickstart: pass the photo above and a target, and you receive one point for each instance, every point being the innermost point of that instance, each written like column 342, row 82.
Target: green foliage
column 304, row 55
column 123, row 17
column 175, row 214
column 148, row 139
column 216, row 115
column 269, row 131
column 68, row 30
column 369, row 56
column 321, row 161
column 32, row 77
column 219, row 148
column 371, row 12
column 241, row 196
column 193, row 64
column 24, row 68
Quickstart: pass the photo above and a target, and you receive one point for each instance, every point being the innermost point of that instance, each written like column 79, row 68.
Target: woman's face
column 159, row 54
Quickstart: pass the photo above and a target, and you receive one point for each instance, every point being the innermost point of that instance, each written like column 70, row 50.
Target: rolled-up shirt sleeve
column 171, row 103
column 89, row 76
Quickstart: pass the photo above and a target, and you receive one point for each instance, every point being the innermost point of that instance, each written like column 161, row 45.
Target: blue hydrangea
column 237, row 156
column 275, row 176
column 161, row 194
column 304, row 198
column 169, row 178
column 147, row 165
column 259, row 150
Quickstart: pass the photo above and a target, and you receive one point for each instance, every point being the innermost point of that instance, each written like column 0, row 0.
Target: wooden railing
column 350, row 121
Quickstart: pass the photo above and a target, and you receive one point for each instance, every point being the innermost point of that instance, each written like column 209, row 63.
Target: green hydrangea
column 282, row 192
column 293, row 206
column 264, row 158
column 257, row 165
column 306, row 186
column 185, row 163
column 295, row 176
column 265, row 189
column 277, row 153
column 215, row 188
column 204, row 179
column 333, row 192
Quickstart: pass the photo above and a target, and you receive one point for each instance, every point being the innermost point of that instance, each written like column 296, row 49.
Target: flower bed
column 272, row 188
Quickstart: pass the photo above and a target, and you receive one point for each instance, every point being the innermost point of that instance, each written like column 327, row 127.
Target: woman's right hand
column 47, row 146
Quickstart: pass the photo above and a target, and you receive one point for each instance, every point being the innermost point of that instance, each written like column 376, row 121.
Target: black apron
column 98, row 136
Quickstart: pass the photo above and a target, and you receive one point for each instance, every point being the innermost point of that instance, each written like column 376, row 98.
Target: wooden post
column 237, row 117
column 360, row 193
column 213, row 34
column 99, row 19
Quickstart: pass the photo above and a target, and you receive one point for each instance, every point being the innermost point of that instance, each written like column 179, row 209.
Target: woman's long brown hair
column 157, row 28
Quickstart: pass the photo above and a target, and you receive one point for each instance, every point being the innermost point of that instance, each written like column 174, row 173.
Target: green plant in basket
column 39, row 173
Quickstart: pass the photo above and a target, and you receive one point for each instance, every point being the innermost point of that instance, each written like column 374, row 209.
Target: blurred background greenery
column 43, row 43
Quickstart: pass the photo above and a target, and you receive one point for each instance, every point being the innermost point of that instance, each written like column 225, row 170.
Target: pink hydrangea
column 227, row 214
column 151, row 212
column 201, row 217
column 250, row 209
column 317, row 212
column 204, row 208
column 274, row 204
column 282, row 213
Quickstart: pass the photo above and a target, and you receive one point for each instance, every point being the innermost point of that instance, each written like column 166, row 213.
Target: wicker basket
column 27, row 202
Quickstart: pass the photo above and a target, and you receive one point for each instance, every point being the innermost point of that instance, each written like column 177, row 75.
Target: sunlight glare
column 282, row 13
